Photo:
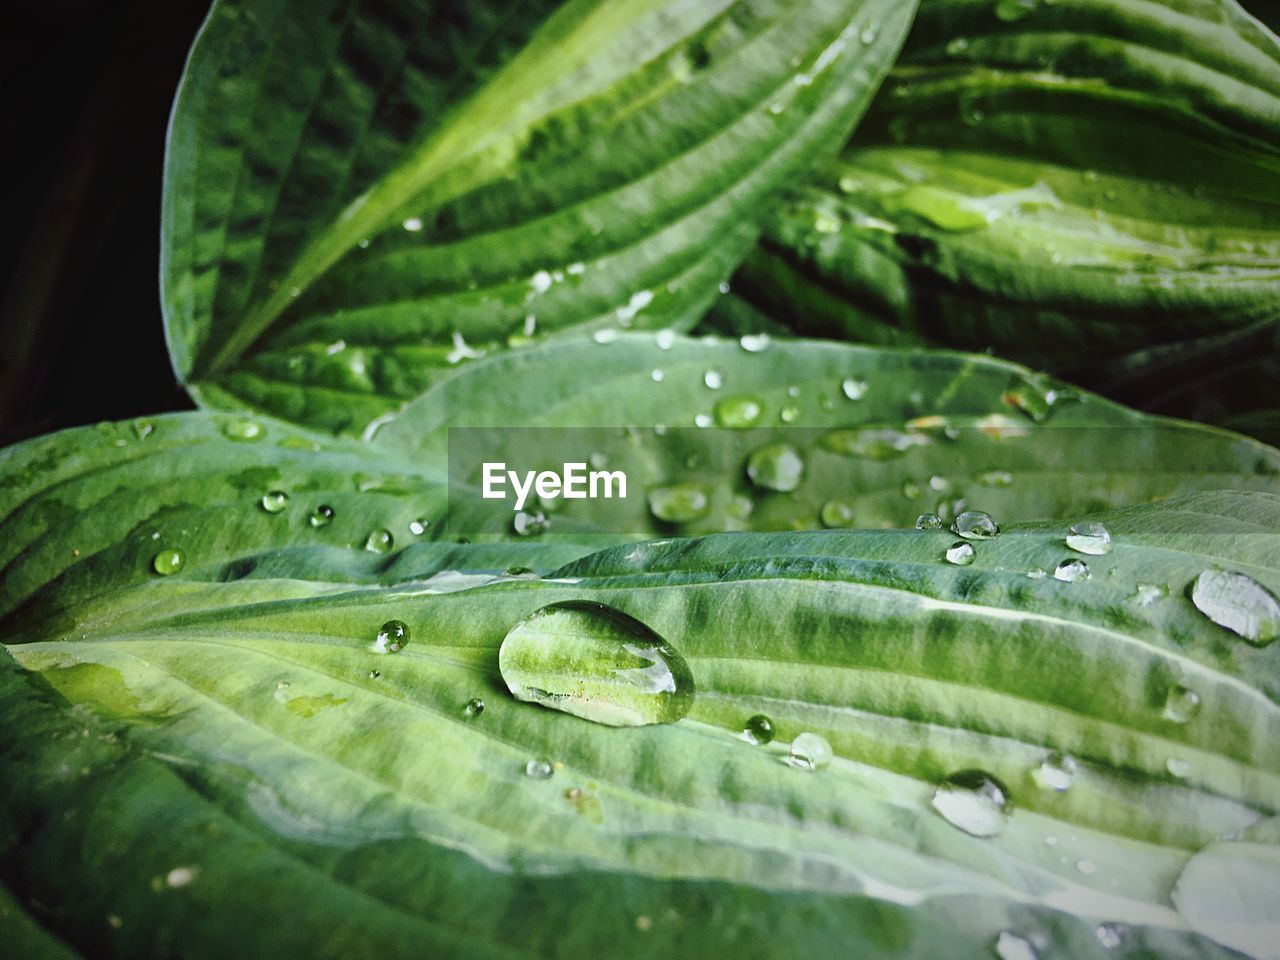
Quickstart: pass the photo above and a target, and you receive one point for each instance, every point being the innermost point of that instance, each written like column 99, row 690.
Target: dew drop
column 929, row 521
column 1071, row 571
column 961, row 554
column 836, row 514
column 975, row 525
column 274, row 501
column 1057, row 773
column 1239, row 603
column 1110, row 935
column 1181, row 704
column 168, row 562
column 973, row 801
column 607, row 335
column 777, row 466
column 598, row 663
column 873, row 443
column 1013, row 10
column 391, row 638
column 810, row 751
column 1086, row 866
column 473, row 708
column 1178, row 768
column 380, row 541
column 321, row 516
column 539, row 769
column 419, row 527
column 752, row 342
column 713, row 378
column 1010, row 946
column 1089, row 537
column 665, row 339
column 243, row 430
column 528, row 523
column 679, row 502
column 738, row 411
column 758, row 730
column 657, row 376
column 854, row 389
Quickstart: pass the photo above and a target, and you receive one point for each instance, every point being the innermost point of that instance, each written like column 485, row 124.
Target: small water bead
column 810, row 751
column 679, row 502
column 961, row 554
column 1071, row 571
column 1010, row 946
column 1089, row 537
column 789, row 414
column 322, row 516
column 973, row 801
column 1239, row 603
column 143, row 429
column 713, row 378
column 665, row 339
column 419, row 527
column 1181, row 704
column 392, row 637
column 1086, row 866
column 412, row 224
column 380, row 541
column 703, row 420
column 777, row 466
column 530, row 523
column 929, row 521
column 539, row 769
column 854, row 389
column 1147, row 593
column 758, row 730
column 1178, row 768
column 1057, row 773
column 657, row 376
column 738, row 411
column 752, row 342
column 168, row 562
column 837, row 513
column 274, row 501
column 598, row 663
column 473, row 708
column 540, row 281
column 243, row 430
column 975, row 525
column 608, row 335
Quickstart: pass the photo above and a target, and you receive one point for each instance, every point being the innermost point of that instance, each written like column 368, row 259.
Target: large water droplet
column 961, row 554
column 810, row 751
column 380, row 541
column 598, row 663
column 738, row 412
column 973, row 801
column 168, row 562
column 1227, row 892
column 751, row 342
column 854, row 389
column 758, row 730
column 391, row 638
column 1181, row 704
column 975, row 525
column 679, row 502
column 274, row 501
column 776, row 467
column 1089, row 537
column 419, row 527
column 713, row 378
column 1071, row 571
column 1239, row 603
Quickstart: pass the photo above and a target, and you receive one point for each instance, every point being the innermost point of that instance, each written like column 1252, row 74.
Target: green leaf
column 228, row 753
column 360, row 195
column 1068, row 183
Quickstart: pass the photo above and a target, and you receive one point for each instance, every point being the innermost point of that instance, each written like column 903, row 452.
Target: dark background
column 88, row 85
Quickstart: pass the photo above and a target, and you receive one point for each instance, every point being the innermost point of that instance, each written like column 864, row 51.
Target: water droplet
column 1239, row 603
column 274, row 501
column 679, row 502
column 957, row 46
column 540, row 281
column 243, row 430
column 873, row 443
column 598, row 663
column 168, row 562
column 973, row 801
column 530, row 523
column 810, row 751
column 380, row 541
column 1089, row 537
column 181, row 876
column 665, row 339
column 473, row 708
column 738, row 412
column 994, row 478
column 1147, row 594
column 1032, row 396
column 1086, row 866
column 961, row 554
column 789, row 414
column 539, row 769
column 391, row 638
column 1111, row 935
column 778, row 466
column 929, row 521
column 1057, row 773
column 419, row 527
column 1071, row 571
column 657, row 376
column 837, row 513
column 143, row 429
column 1012, row 10
column 1178, row 768
column 1010, row 946
column 713, row 378
column 322, row 516
column 752, row 342
column 608, row 335
column 854, row 389
column 758, row 730
column 1181, row 704
column 975, row 525
column 1227, row 891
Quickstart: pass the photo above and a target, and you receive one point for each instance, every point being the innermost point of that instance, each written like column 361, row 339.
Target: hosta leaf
column 359, row 195
column 228, row 753
column 972, row 430
column 1066, row 182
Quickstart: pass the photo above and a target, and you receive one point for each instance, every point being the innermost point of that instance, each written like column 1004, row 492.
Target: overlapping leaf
column 360, row 195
